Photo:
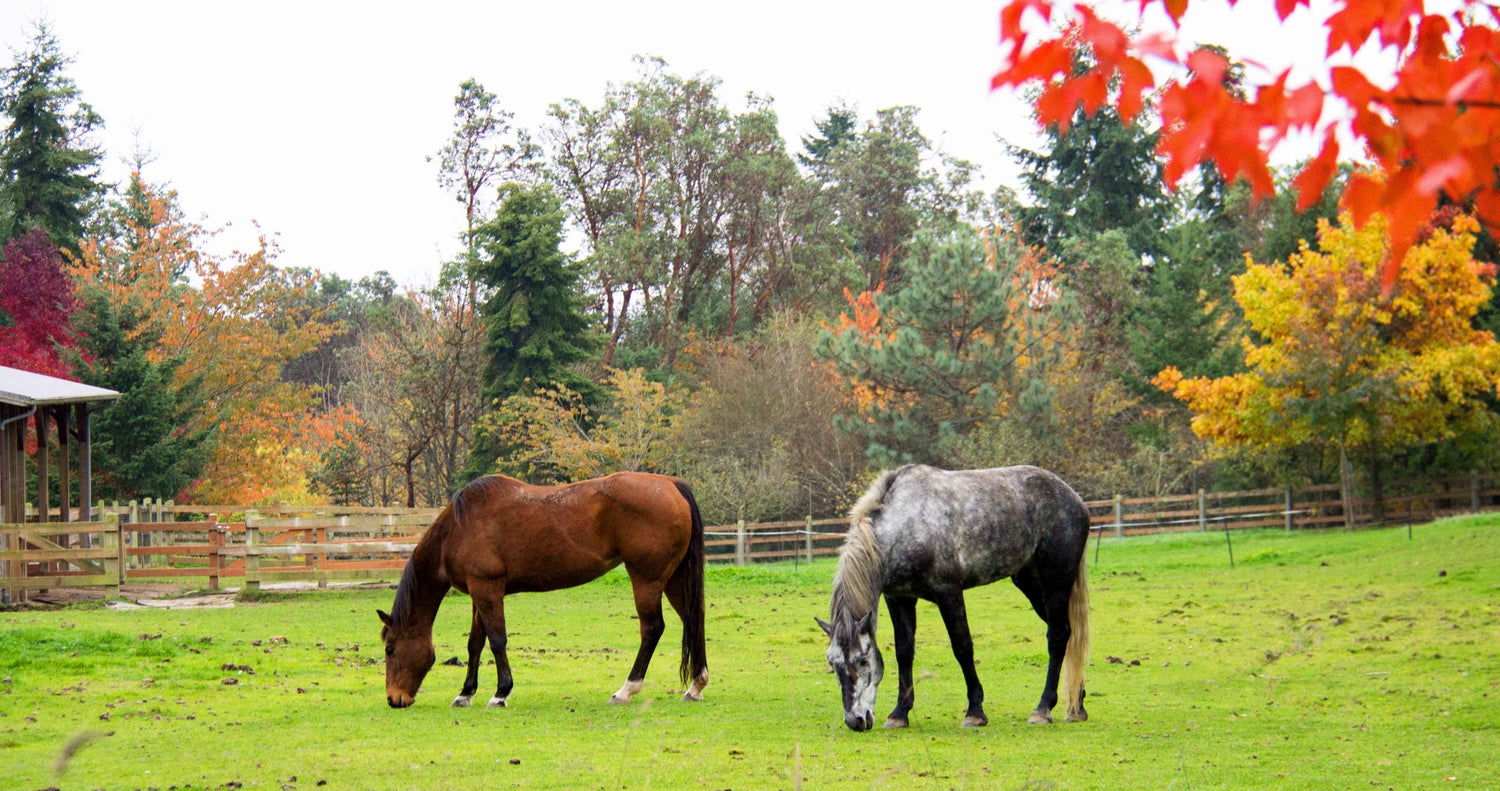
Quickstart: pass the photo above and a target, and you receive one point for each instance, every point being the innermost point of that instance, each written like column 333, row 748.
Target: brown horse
column 499, row 535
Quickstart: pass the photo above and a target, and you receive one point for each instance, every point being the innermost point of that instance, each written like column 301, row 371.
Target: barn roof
column 24, row 388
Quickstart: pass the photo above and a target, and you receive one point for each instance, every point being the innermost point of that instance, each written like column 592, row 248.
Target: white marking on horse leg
column 695, row 692
column 463, row 701
column 496, row 702
column 626, row 691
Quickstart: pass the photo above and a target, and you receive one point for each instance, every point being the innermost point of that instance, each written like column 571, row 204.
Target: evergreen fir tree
column 533, row 310
column 141, row 446
column 48, row 170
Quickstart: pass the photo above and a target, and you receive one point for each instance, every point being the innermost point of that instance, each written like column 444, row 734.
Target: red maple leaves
column 1435, row 132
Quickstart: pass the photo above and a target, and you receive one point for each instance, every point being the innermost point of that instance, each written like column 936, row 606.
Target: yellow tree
column 1332, row 363
column 553, row 435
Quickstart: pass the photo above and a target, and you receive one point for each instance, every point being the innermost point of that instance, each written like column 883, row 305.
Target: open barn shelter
column 56, row 407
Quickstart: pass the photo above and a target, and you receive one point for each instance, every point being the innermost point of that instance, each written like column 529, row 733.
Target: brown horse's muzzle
column 399, row 700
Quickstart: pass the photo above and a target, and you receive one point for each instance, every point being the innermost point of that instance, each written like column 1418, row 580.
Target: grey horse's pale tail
column 1076, row 657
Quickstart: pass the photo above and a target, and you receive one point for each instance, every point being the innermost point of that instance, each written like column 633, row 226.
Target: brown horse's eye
column 390, row 648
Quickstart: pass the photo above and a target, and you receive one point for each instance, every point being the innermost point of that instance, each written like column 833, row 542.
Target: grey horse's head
column 856, row 661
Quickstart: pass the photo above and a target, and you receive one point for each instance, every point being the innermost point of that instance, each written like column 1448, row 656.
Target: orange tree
column 232, row 324
column 1332, row 365
column 1435, row 131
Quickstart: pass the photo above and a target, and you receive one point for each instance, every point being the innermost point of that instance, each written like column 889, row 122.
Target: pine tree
column 948, row 347
column 48, row 169
column 534, row 314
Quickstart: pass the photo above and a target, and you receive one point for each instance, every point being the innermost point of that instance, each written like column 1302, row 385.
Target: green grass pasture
column 1322, row 660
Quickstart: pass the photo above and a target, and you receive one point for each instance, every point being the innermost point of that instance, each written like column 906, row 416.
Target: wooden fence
column 141, row 541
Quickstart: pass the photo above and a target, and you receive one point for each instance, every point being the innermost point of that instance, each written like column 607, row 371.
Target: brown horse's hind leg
column 489, row 604
column 677, row 595
column 648, row 610
column 471, row 674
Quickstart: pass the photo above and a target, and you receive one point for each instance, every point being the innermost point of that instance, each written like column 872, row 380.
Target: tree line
column 655, row 280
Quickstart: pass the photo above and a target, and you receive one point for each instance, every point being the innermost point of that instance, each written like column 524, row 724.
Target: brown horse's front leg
column 489, row 604
column 648, row 610
column 471, row 675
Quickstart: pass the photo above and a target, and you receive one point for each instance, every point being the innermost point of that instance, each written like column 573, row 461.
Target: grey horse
column 924, row 533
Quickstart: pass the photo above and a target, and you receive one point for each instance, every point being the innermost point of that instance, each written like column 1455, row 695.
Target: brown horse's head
column 408, row 657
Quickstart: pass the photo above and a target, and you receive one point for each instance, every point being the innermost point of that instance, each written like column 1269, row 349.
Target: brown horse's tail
column 690, row 572
column 1076, row 657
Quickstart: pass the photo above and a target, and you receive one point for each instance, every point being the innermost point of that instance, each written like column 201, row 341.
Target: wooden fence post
column 1119, row 516
column 321, row 536
column 741, row 551
column 252, row 562
column 1202, row 510
column 1289, row 510
column 215, row 543
column 808, row 535
column 114, row 568
column 1474, row 491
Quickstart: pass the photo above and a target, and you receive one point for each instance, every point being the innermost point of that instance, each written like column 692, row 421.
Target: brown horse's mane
column 451, row 516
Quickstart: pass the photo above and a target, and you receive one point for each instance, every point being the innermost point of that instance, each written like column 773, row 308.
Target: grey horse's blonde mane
column 856, row 583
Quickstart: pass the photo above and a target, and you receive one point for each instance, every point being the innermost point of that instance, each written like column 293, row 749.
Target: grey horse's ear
column 867, row 623
column 384, row 618
column 827, row 627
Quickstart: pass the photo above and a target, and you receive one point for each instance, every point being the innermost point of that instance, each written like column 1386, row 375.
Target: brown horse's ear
column 384, row 618
column 827, row 627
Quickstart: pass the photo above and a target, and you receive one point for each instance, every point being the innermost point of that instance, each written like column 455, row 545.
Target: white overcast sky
column 316, row 119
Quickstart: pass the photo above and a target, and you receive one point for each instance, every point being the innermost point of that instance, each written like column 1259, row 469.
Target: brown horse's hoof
column 894, row 722
column 495, row 703
column 1077, row 716
column 616, row 700
column 463, row 701
column 688, row 696
column 973, row 721
column 1040, row 717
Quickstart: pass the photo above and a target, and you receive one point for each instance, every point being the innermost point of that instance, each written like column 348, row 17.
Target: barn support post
column 740, row 550
column 85, row 464
column 64, row 480
column 807, row 534
column 252, row 540
column 1202, row 510
column 114, row 567
column 1289, row 517
column 1474, row 491
column 43, row 485
column 1119, row 516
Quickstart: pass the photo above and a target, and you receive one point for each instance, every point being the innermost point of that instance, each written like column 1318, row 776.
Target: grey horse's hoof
column 495, row 703
column 975, row 721
column 616, row 700
column 1040, row 717
column 463, row 701
column 894, row 722
column 689, row 696
column 1077, row 716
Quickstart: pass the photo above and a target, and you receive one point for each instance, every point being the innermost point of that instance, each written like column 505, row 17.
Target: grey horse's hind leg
column 903, row 611
column 471, row 675
column 956, row 618
column 1049, row 595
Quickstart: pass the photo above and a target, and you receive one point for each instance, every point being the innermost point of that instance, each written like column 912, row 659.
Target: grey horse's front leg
column 903, row 611
column 956, row 618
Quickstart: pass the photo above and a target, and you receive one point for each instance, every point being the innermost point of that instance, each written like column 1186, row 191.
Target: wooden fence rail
column 145, row 541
